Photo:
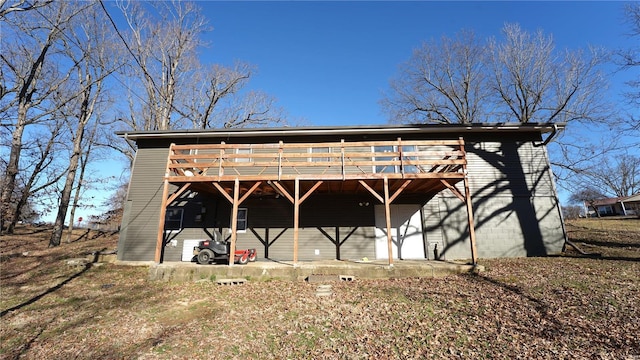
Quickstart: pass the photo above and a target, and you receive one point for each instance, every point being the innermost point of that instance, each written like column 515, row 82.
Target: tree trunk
column 76, row 196
column 85, row 113
column 64, row 201
column 9, row 181
column 56, row 236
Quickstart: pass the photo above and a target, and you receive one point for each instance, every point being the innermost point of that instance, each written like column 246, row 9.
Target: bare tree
column 589, row 196
column 444, row 82
column 39, row 175
column 30, row 77
column 213, row 85
column 572, row 212
column 21, row 5
column 254, row 109
column 619, row 177
column 535, row 84
column 520, row 78
column 88, row 47
column 84, row 161
column 170, row 88
column 163, row 48
column 629, row 59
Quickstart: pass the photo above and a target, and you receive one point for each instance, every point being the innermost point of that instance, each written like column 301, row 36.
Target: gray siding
column 271, row 219
column 514, row 204
column 139, row 229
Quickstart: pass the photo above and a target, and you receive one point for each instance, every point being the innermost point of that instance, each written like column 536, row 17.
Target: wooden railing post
column 220, row 159
column 344, row 171
column 401, row 157
column 280, row 150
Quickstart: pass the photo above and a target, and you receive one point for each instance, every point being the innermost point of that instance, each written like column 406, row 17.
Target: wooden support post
column 387, row 215
column 163, row 214
column 472, row 232
column 234, row 222
column 163, row 209
column 266, row 243
column 296, row 218
column 337, row 242
column 467, row 194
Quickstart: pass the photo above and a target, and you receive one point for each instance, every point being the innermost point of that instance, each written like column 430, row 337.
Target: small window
column 319, row 150
column 242, row 220
column 245, row 152
column 173, row 219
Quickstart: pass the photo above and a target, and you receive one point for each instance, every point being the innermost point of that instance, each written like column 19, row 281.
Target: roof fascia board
column 363, row 130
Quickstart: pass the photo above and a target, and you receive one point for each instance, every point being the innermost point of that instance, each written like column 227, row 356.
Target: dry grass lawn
column 571, row 307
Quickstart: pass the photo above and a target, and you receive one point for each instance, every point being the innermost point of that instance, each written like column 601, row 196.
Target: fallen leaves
column 551, row 308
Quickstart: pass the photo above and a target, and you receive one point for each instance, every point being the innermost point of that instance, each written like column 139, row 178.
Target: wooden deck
column 384, row 169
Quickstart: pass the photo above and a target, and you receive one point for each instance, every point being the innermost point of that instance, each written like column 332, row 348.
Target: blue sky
column 328, row 62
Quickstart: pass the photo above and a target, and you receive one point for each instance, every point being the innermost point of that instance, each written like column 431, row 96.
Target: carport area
column 328, row 270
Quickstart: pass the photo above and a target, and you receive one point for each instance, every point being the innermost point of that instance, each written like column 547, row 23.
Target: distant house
column 622, row 206
column 317, row 193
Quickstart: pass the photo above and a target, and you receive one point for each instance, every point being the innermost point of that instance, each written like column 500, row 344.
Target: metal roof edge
column 345, row 130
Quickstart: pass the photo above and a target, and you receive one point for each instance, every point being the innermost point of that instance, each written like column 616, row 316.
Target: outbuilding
column 315, row 193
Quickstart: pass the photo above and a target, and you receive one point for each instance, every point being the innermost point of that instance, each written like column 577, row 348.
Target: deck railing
column 322, row 161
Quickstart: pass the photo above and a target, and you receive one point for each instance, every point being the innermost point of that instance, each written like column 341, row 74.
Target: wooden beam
column 163, row 209
column 315, row 177
column 402, row 187
column 234, row 222
column 178, row 193
column 283, row 191
column 296, row 218
column 252, row 189
column 387, row 216
column 472, row 231
column 163, row 214
column 222, row 191
column 453, row 189
column 313, row 188
column 371, row 190
column 467, row 192
column 220, row 161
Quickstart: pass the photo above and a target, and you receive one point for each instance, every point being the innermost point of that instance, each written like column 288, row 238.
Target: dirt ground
column 573, row 306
